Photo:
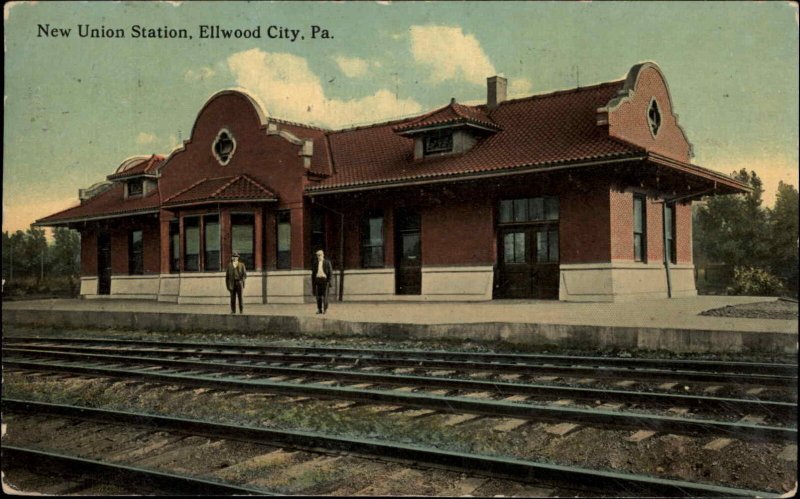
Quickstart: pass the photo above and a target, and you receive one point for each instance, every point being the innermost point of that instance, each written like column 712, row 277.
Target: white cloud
column 352, row 67
column 145, row 138
column 200, row 74
column 290, row 90
column 519, row 87
column 450, row 54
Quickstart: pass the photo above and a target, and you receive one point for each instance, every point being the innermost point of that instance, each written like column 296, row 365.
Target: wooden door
column 103, row 263
column 408, row 253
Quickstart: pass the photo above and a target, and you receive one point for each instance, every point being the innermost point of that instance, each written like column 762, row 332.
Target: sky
column 76, row 107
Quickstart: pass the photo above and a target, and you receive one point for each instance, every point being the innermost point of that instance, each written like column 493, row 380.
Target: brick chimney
column 495, row 91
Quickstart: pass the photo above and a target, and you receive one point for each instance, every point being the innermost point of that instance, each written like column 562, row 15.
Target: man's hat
column 235, row 254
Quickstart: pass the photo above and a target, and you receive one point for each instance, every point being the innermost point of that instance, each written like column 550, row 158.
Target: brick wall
column 683, row 229
column 621, row 213
column 621, row 216
column 629, row 120
column 458, row 234
column 584, row 226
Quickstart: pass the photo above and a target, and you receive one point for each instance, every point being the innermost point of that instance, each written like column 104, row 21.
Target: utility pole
column 41, row 273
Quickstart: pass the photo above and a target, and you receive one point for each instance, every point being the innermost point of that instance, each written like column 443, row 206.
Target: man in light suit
column 235, row 276
column 321, row 274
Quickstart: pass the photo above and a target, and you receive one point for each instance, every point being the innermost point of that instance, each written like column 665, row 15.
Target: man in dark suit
column 235, row 276
column 321, row 274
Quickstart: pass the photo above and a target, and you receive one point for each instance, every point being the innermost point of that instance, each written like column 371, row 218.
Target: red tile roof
column 537, row 131
column 107, row 204
column 453, row 113
column 149, row 165
column 555, row 128
column 235, row 188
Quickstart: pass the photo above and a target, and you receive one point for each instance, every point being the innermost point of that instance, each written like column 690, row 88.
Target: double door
column 528, row 266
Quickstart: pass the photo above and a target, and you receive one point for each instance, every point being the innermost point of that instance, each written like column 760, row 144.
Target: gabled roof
column 107, row 204
column 542, row 130
column 135, row 168
column 220, row 190
column 454, row 114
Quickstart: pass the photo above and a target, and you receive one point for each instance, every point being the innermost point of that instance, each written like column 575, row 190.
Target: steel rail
column 519, row 368
column 784, row 411
column 739, row 367
column 115, row 473
column 472, row 463
column 614, row 419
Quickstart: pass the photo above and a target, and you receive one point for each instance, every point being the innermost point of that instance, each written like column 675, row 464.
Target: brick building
column 574, row 195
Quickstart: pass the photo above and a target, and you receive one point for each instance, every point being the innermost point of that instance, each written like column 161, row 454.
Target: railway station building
column 578, row 195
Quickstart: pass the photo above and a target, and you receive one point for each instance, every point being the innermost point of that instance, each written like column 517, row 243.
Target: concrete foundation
column 557, row 335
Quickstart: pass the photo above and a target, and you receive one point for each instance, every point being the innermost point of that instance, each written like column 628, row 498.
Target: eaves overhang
column 718, row 179
column 517, row 170
column 446, row 126
column 67, row 221
column 170, row 206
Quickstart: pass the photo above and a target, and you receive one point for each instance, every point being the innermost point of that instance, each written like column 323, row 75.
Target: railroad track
column 544, row 474
column 508, row 386
column 728, row 379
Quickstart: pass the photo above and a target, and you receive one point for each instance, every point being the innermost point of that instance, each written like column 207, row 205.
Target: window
column 243, row 238
column 317, row 233
column 212, row 244
column 537, row 209
column 135, row 253
column 284, row 240
column 224, row 146
column 372, row 240
column 440, row 142
column 654, row 117
column 639, row 229
column 191, row 251
column 669, row 232
column 514, row 247
column 547, row 246
column 174, row 246
column 135, row 187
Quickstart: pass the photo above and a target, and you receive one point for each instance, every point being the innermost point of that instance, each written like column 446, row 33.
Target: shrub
column 22, row 287
column 754, row 281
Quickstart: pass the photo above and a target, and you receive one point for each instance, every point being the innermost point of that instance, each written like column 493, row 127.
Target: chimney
column 495, row 91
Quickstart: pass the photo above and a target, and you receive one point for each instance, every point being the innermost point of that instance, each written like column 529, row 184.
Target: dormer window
column 135, row 187
column 438, row 143
column 453, row 129
column 654, row 117
column 224, row 146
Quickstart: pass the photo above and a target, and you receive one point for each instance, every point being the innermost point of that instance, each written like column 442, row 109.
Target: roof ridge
column 558, row 92
column 187, row 189
column 374, row 125
column 254, row 182
column 296, row 123
column 225, row 186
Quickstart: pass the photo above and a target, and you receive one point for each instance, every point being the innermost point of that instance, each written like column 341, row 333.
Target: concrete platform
column 663, row 324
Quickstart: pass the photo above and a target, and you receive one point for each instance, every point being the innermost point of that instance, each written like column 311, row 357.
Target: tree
column 733, row 229
column 65, row 252
column 783, row 235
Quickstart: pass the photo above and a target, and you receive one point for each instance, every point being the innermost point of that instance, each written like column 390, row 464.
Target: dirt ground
column 784, row 309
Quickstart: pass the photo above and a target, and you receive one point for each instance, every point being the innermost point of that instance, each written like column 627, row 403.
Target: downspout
column 666, row 247
column 664, row 230
column 341, row 244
